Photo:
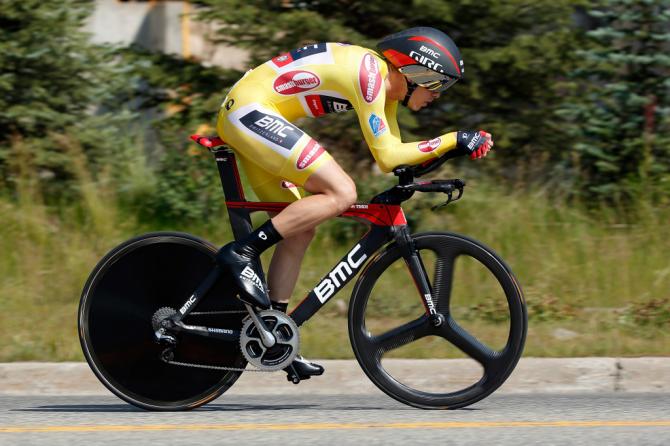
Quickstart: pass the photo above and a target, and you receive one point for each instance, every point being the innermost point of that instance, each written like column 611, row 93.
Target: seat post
column 240, row 219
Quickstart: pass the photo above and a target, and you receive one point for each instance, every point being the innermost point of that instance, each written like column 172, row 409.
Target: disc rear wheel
column 139, row 280
column 484, row 323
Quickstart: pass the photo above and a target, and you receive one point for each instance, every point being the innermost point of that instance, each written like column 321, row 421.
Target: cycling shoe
column 301, row 369
column 243, row 269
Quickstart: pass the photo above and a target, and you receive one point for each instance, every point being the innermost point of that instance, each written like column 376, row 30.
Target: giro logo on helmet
column 426, row 61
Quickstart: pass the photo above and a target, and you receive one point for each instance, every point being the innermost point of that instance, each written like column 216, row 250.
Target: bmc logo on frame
column 339, row 275
column 309, row 154
column 295, row 82
column 369, row 78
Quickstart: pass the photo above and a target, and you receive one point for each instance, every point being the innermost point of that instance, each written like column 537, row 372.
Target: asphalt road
column 549, row 419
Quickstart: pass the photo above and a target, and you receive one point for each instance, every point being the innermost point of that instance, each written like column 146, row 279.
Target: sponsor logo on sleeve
column 321, row 104
column 294, row 82
column 273, row 128
column 287, row 58
column 377, row 125
column 369, row 78
column 309, row 154
column 429, row 146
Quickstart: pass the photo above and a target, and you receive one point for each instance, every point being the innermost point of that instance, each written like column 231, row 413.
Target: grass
column 594, row 285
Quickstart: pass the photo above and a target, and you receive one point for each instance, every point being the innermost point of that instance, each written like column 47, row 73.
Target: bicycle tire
column 122, row 293
column 497, row 365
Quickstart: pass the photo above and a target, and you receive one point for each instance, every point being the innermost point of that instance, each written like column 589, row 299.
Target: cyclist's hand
column 475, row 142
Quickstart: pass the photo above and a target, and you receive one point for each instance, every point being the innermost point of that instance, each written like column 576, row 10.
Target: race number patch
column 317, row 53
column 377, row 125
column 294, row 82
column 272, row 128
column 429, row 146
column 320, row 104
column 369, row 78
column 309, row 154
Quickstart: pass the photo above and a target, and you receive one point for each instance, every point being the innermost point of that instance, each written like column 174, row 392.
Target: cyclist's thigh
column 265, row 139
column 269, row 187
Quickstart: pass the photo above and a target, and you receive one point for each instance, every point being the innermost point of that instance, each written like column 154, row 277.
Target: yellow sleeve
column 378, row 121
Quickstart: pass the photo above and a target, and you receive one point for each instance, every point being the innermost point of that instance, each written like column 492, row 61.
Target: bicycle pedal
column 292, row 375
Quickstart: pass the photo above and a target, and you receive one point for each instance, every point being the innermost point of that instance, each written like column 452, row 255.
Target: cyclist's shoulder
column 355, row 52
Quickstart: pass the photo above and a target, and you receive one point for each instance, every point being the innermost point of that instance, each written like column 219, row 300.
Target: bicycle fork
column 418, row 272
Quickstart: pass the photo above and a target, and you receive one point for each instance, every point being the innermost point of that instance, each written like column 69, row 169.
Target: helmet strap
column 410, row 89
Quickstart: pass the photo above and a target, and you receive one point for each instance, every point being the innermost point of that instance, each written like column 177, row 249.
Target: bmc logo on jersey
column 296, row 81
column 272, row 128
column 309, row 154
column 429, row 146
column 369, row 78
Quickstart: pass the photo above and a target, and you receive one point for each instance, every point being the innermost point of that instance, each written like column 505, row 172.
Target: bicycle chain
column 201, row 313
column 216, row 367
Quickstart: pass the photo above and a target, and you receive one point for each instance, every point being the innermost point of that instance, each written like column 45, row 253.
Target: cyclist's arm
column 380, row 129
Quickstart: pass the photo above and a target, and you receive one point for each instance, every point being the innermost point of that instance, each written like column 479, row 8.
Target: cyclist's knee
column 343, row 196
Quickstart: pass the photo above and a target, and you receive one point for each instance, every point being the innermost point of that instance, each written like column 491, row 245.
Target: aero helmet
column 426, row 56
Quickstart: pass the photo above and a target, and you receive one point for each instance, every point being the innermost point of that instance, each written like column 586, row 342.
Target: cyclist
column 413, row 67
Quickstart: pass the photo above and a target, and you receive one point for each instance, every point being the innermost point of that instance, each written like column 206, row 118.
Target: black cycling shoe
column 242, row 266
column 301, row 369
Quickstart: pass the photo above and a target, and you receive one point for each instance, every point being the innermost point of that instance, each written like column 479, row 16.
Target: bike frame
column 386, row 223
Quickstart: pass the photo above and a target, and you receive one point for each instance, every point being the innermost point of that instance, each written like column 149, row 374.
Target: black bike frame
column 386, row 221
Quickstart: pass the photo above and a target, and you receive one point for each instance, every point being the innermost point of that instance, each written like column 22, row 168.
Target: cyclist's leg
column 287, row 258
column 303, row 213
column 271, row 147
column 333, row 192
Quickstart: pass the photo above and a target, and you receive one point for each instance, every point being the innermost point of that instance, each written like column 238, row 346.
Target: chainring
column 280, row 355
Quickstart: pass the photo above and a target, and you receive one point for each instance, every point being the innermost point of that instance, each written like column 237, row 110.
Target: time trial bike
column 163, row 327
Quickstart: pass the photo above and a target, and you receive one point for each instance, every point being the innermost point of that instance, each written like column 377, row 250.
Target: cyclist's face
column 420, row 98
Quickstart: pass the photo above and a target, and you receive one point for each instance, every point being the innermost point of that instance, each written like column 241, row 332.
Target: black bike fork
column 418, row 271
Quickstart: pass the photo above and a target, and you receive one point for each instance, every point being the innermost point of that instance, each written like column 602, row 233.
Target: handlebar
column 429, row 166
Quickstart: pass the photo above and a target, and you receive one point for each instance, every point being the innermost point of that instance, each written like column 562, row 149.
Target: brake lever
column 450, row 199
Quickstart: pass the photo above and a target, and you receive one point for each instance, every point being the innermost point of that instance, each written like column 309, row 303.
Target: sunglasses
column 427, row 78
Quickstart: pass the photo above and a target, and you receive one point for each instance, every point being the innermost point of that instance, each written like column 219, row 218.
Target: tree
column 52, row 79
column 618, row 113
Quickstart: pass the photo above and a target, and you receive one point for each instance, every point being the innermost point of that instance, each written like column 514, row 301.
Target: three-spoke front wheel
column 485, row 323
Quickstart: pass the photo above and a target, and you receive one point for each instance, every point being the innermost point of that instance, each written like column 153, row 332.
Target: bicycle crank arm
column 267, row 338
column 223, row 334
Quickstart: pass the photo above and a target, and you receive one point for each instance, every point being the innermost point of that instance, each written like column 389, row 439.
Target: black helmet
column 426, row 56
